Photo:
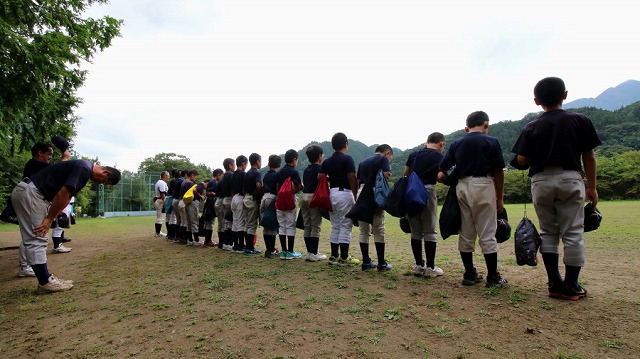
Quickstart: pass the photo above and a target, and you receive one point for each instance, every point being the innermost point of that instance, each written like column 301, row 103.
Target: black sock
column 229, row 236
column 158, row 228
column 416, row 248
column 307, row 245
column 196, row 238
column 183, row 234
column 334, row 250
column 380, row 252
column 248, row 240
column 467, row 261
column 364, row 248
column 270, row 242
column 283, row 242
column 208, row 233
column 292, row 241
column 491, row 259
column 315, row 244
column 189, row 236
column 430, row 252
column 42, row 273
column 220, row 239
column 56, row 241
column 571, row 275
column 551, row 266
column 344, row 250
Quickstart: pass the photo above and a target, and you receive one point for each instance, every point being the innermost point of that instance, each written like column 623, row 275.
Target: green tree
column 171, row 161
column 43, row 45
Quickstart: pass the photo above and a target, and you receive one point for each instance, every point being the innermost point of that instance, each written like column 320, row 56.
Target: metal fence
column 134, row 193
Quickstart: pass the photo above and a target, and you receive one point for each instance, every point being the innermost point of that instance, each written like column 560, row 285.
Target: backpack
column 415, row 195
column 381, row 189
column 284, row 198
column 394, row 204
column 188, row 196
column 450, row 218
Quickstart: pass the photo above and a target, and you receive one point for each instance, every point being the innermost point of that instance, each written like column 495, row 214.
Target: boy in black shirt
column 478, row 160
column 555, row 146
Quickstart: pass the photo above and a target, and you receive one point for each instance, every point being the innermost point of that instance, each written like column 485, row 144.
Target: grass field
column 139, row 296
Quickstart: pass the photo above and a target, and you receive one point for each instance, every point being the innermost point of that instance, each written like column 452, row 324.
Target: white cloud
column 225, row 78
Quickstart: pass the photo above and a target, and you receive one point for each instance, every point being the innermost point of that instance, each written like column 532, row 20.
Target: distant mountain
column 611, row 99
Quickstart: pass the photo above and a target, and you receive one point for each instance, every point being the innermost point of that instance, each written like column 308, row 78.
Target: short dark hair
column 339, row 141
column 40, row 147
column 290, row 156
column 435, row 137
column 114, row 175
column 477, row 118
column 227, row 163
column 192, row 173
column 314, row 152
column 163, row 173
column 384, row 148
column 240, row 160
column 275, row 161
column 254, row 158
column 217, row 171
column 549, row 91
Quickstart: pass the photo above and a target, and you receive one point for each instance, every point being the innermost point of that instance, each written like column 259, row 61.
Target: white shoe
column 55, row 285
column 160, row 234
column 227, row 247
column 26, row 272
column 61, row 249
column 315, row 257
column 419, row 270
column 433, row 272
column 321, row 256
column 198, row 243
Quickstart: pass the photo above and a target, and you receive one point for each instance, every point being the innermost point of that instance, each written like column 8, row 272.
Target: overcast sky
column 216, row 79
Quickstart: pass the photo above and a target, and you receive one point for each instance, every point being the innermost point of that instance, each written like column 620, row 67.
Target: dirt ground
column 140, row 296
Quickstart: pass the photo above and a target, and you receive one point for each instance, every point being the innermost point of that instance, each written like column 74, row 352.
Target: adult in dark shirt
column 41, row 155
column 38, row 201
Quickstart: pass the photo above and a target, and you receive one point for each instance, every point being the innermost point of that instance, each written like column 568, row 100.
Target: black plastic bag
column 394, row 205
column 269, row 218
column 450, row 217
column 364, row 207
column 527, row 243
column 300, row 221
column 9, row 213
column 405, row 226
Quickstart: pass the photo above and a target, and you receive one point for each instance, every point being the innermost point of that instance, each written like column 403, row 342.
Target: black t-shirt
column 269, row 182
column 310, row 178
column 225, row 184
column 172, row 186
column 212, row 186
column 251, row 179
column 184, row 187
column 74, row 174
column 32, row 166
column 426, row 165
column 337, row 167
column 176, row 189
column 237, row 182
column 556, row 138
column 286, row 172
column 370, row 166
column 474, row 154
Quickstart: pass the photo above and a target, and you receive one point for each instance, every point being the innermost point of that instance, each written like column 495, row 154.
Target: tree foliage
column 171, row 161
column 42, row 47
